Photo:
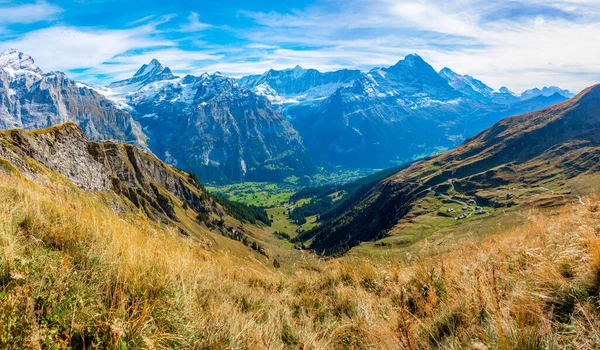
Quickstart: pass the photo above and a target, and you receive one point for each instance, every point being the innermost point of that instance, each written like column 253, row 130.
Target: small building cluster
column 463, row 216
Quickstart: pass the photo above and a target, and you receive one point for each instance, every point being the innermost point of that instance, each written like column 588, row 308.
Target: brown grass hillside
column 75, row 274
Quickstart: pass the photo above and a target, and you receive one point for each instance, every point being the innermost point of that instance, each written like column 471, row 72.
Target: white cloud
column 28, row 13
column 194, row 24
column 535, row 43
column 64, row 48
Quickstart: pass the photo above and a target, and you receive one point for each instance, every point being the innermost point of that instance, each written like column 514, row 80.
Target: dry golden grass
column 74, row 274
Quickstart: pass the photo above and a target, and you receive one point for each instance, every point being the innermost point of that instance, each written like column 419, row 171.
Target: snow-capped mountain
column 30, row 98
column 466, row 84
column 476, row 89
column 211, row 125
column 14, row 61
column 298, row 85
column 393, row 114
column 388, row 114
column 148, row 73
column 545, row 91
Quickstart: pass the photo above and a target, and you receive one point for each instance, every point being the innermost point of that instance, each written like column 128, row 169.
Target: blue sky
column 517, row 44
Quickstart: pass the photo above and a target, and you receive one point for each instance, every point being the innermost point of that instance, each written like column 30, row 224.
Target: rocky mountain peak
column 413, row 58
column 414, row 65
column 505, row 90
column 154, row 67
column 148, row 73
column 15, row 60
column 447, row 72
column 466, row 84
column 545, row 91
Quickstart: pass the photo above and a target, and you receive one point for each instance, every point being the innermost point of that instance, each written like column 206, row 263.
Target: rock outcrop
column 142, row 178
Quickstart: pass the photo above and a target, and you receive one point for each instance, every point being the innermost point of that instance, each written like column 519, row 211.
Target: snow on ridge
column 18, row 61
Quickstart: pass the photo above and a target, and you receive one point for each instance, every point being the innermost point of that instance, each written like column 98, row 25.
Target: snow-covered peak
column 545, row 91
column 15, row 60
column 151, row 68
column 298, row 72
column 298, row 85
column 148, row 73
column 466, row 83
column 413, row 64
column 413, row 58
column 505, row 90
column 448, row 73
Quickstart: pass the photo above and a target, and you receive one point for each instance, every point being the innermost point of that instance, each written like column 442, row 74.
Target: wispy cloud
column 65, row 48
column 194, row 24
column 28, row 13
column 505, row 43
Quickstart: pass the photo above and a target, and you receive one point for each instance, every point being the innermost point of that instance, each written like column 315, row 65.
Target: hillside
column 76, row 272
column 540, row 158
column 134, row 183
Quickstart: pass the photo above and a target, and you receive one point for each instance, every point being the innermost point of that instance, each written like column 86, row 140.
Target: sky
column 520, row 44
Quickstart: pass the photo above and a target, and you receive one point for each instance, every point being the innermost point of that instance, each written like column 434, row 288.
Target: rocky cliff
column 147, row 182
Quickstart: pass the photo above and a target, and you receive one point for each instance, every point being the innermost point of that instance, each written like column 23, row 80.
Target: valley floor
column 76, row 274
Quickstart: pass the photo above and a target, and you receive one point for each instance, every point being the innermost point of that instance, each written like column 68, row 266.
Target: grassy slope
column 73, row 272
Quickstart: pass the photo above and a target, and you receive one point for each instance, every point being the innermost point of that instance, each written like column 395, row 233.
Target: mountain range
column 272, row 126
column 390, row 115
column 212, row 126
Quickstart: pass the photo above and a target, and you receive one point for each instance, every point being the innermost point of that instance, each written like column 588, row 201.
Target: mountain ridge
column 228, row 130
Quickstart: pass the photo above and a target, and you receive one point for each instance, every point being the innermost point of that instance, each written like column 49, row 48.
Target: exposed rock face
column 30, row 99
column 63, row 149
column 142, row 178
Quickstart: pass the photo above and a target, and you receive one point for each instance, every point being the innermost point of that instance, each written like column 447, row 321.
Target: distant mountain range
column 272, row 126
column 390, row 115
